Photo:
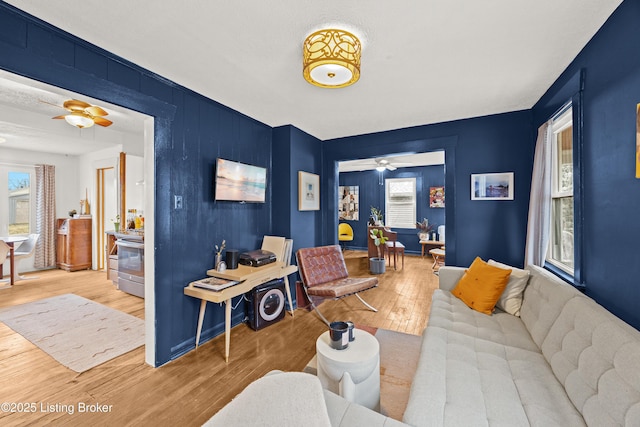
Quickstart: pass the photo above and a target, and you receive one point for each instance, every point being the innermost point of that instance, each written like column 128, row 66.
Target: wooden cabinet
column 73, row 245
column 372, row 251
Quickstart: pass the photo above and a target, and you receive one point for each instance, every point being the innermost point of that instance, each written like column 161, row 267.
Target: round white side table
column 353, row 373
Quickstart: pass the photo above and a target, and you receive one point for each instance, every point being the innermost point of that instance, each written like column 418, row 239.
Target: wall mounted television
column 239, row 182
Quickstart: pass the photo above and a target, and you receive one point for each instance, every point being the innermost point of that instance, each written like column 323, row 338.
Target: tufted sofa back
column 321, row 265
column 544, row 298
column 592, row 353
column 596, row 356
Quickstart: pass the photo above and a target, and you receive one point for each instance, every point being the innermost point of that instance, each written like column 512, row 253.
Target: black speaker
column 265, row 304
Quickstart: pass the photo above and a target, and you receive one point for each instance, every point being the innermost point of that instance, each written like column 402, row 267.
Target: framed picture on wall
column 348, row 203
column 492, row 186
column 308, row 191
column 436, row 197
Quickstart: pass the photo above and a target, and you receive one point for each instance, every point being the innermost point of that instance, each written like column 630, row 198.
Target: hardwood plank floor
column 187, row 391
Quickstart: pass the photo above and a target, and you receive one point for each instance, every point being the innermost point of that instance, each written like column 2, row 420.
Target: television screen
column 240, row 182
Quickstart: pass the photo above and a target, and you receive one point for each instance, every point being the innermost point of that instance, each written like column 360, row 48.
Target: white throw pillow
column 511, row 299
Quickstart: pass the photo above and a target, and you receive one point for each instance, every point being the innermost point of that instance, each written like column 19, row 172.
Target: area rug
column 75, row 331
column 399, row 354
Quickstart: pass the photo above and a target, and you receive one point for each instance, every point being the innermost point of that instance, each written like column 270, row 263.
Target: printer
column 257, row 258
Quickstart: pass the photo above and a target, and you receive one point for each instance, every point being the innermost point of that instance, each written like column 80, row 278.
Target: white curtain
column 45, row 255
column 540, row 199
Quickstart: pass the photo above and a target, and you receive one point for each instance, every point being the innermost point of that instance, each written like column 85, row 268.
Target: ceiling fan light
column 331, row 58
column 380, row 168
column 78, row 120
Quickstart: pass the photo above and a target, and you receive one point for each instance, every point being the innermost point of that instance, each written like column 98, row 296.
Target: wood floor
column 187, row 391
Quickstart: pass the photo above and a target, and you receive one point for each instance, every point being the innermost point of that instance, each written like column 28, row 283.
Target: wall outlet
column 177, row 202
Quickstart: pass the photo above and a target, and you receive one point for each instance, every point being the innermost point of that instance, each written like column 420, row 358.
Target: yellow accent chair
column 345, row 233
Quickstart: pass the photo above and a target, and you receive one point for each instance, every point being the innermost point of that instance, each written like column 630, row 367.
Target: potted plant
column 116, row 223
column 377, row 265
column 424, row 229
column 377, row 216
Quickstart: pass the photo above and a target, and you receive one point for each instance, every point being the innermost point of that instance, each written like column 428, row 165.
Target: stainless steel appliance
column 131, row 264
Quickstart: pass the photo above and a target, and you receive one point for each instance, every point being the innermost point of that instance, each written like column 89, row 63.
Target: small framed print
column 436, row 197
column 492, row 186
column 308, row 191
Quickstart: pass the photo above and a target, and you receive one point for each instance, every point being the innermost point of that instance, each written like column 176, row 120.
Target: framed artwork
column 308, row 191
column 348, row 203
column 436, row 197
column 492, row 186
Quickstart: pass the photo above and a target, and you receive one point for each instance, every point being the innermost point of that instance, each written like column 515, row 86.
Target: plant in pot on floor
column 377, row 265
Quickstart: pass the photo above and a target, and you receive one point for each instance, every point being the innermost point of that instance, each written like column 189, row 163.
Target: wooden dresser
column 73, row 246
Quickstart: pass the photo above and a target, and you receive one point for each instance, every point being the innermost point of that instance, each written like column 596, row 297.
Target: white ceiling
column 26, row 123
column 423, row 61
column 396, row 161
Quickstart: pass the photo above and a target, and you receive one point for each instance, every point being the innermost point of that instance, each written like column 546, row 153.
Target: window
column 561, row 233
column 400, row 202
column 17, row 214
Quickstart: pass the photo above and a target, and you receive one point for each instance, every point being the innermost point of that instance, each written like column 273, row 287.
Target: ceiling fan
column 382, row 164
column 83, row 115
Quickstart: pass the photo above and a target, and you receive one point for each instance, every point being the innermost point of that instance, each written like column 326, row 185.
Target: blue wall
column 498, row 143
column 191, row 131
column 371, row 193
column 611, row 194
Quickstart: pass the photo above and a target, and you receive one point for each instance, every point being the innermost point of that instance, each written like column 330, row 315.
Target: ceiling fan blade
column 94, row 110
column 49, row 103
column 75, row 105
column 391, row 168
column 102, row 121
column 58, row 117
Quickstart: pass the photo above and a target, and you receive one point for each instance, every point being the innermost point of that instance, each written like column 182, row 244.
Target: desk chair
column 345, row 234
column 392, row 245
column 324, row 274
column 25, row 250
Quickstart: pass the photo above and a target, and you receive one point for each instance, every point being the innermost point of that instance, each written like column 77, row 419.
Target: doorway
column 34, row 138
column 106, row 210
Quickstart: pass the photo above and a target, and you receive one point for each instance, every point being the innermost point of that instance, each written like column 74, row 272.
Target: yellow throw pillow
column 481, row 286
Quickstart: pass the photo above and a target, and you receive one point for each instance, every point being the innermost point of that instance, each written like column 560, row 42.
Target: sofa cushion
column 481, row 286
column 596, row 357
column 347, row 414
column 544, row 297
column 511, row 299
column 467, row 381
column 341, row 287
column 450, row 313
column 271, row 400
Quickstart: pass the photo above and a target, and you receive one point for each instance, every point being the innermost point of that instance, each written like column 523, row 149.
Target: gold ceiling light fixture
column 331, row 58
column 83, row 115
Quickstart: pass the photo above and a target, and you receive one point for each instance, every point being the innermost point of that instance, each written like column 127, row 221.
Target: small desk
column 250, row 277
column 10, row 242
column 430, row 243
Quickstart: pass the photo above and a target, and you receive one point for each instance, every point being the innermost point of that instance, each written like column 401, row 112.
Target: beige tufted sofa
column 566, row 361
